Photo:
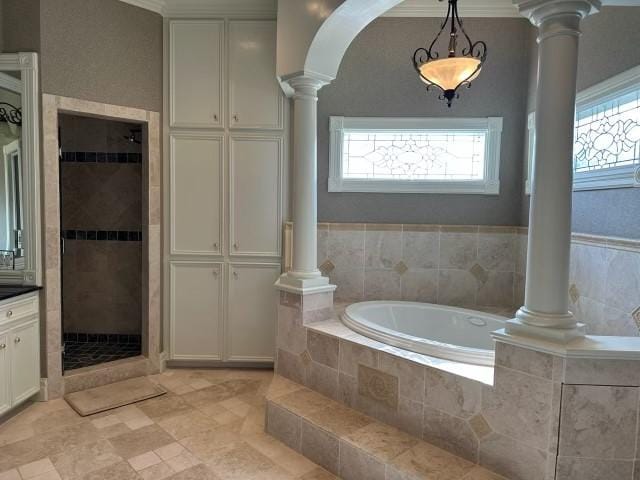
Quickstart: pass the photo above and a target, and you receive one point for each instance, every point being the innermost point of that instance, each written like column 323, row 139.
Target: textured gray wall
column 102, row 50
column 376, row 78
column 609, row 45
column 20, row 26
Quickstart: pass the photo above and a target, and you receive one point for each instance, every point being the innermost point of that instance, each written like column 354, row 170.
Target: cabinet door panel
column 251, row 326
column 196, row 194
column 255, row 170
column 5, row 379
column 255, row 97
column 196, row 311
column 24, row 344
column 196, row 73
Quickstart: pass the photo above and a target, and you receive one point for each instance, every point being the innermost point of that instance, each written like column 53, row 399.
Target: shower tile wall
column 102, row 223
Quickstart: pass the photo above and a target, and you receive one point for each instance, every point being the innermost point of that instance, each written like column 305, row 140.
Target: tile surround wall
column 466, row 266
column 543, row 418
column 479, row 267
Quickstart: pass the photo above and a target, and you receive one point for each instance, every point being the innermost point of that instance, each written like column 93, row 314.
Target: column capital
column 540, row 11
column 305, row 84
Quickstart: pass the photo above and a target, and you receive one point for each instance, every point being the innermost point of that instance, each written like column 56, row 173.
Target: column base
column 290, row 283
column 556, row 335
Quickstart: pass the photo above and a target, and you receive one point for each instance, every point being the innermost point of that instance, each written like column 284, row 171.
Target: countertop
column 10, row 291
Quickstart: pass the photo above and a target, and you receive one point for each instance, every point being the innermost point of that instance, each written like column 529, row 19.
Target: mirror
column 20, row 221
column 11, row 218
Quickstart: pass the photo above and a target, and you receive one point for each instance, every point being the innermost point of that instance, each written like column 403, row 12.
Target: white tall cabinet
column 225, row 159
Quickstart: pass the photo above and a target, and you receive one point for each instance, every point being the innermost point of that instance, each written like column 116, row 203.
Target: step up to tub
column 356, row 447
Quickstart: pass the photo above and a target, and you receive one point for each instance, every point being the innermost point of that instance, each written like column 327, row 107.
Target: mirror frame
column 27, row 64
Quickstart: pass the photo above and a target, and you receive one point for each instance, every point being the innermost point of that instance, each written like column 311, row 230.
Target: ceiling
column 268, row 8
column 262, row 8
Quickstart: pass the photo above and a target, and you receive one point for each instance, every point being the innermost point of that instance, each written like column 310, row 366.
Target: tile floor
column 210, row 426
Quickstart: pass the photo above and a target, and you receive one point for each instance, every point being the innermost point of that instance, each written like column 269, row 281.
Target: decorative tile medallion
column 306, row 357
column 479, row 273
column 378, row 386
column 401, row 268
column 574, row 293
column 480, row 426
column 636, row 317
column 327, row 267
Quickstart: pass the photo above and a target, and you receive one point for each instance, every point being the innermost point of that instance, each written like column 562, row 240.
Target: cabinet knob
column 215, row 117
column 235, row 274
column 215, row 246
column 17, row 340
column 3, row 346
column 236, row 246
column 236, row 118
column 215, row 274
column 9, row 313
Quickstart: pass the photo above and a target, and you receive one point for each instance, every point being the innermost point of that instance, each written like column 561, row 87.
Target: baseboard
column 43, row 395
column 217, row 364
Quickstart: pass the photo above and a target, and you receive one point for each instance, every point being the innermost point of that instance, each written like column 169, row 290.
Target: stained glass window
column 420, row 155
column 415, row 155
column 608, row 135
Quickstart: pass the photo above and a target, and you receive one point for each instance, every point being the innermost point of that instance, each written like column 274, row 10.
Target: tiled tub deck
column 531, row 417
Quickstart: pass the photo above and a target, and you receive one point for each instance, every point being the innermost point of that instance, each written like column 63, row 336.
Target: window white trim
column 490, row 185
column 615, row 177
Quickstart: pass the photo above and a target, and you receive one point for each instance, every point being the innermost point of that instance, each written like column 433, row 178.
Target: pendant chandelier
column 456, row 69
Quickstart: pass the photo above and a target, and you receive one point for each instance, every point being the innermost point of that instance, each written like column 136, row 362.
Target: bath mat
column 114, row 395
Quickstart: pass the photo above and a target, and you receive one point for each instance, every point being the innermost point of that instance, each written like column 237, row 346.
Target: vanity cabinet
column 226, row 185
column 19, row 350
column 5, row 372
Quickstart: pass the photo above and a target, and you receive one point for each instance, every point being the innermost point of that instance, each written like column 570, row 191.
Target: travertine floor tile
column 339, row 420
column 305, row 402
column 140, row 441
column 10, row 475
column 169, row 451
column 199, row 472
column 187, row 424
column 210, row 427
column 144, row 460
column 425, row 461
column 33, row 469
column 50, row 475
column 182, row 462
column 479, row 473
column 318, row 474
column 85, row 459
column 119, row 471
column 383, row 441
column 156, row 472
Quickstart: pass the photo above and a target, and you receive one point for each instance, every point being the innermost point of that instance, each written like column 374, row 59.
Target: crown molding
column 209, row 8
column 472, row 8
column 156, row 6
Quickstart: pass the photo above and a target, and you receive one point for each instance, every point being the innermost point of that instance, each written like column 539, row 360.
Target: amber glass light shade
column 449, row 73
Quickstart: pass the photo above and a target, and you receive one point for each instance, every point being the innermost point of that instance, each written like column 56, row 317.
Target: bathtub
column 450, row 333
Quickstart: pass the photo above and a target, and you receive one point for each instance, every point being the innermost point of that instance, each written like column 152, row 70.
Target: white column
column 546, row 309
column 304, row 275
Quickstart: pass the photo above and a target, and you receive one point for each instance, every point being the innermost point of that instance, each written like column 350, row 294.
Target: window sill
column 415, row 186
